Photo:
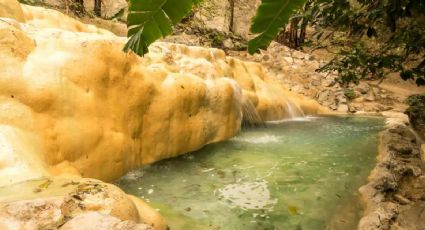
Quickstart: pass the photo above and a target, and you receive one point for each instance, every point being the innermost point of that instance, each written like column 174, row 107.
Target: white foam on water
column 247, row 195
column 264, row 139
column 307, row 118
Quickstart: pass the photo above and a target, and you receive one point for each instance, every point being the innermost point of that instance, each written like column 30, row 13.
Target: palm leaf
column 149, row 20
column 271, row 17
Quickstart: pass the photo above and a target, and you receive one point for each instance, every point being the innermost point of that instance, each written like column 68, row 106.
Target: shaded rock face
column 76, row 103
column 394, row 197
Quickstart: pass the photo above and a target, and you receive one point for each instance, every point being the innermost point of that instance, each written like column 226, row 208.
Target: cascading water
column 293, row 109
column 250, row 118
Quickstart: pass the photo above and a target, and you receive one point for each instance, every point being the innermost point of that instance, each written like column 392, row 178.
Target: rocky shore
column 394, row 198
column 73, row 204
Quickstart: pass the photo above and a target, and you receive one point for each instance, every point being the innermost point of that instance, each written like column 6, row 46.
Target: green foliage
column 271, row 16
column 416, row 100
column 149, row 20
column 217, row 39
column 394, row 31
column 350, row 94
column 380, row 36
column 416, row 111
column 356, row 63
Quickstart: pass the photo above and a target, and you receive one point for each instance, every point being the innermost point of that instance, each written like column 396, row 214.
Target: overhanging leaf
column 149, row 20
column 271, row 16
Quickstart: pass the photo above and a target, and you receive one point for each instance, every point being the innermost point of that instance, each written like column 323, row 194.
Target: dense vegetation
column 416, row 112
column 376, row 37
column 379, row 37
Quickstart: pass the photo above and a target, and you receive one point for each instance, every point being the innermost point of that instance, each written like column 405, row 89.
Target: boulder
column 228, row 44
column 73, row 203
column 322, row 96
column 342, row 108
column 363, row 87
column 369, row 96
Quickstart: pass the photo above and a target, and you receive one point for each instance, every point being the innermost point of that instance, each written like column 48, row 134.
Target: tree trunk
column 293, row 37
column 304, row 24
column 232, row 14
column 76, row 6
column 98, row 7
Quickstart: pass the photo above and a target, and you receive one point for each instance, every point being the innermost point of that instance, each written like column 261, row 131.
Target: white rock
column 342, row 108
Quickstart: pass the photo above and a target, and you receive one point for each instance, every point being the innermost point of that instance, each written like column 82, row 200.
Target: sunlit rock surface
column 62, row 203
column 73, row 102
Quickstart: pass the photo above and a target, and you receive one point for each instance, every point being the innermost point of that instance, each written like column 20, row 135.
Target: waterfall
column 294, row 109
column 250, row 115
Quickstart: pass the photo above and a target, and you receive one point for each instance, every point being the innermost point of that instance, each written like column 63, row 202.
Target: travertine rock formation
column 73, row 102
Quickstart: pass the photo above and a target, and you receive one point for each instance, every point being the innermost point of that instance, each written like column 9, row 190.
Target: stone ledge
column 394, row 197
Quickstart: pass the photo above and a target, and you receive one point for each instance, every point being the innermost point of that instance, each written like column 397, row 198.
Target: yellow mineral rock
column 73, row 104
column 82, row 106
column 11, row 9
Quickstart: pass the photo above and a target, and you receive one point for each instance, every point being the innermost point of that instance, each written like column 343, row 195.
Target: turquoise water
column 288, row 175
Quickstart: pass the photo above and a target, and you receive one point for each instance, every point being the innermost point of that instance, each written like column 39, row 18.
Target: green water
column 289, row 175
